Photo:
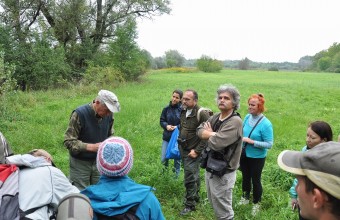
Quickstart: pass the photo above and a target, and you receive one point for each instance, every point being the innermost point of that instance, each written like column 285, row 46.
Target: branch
column 35, row 15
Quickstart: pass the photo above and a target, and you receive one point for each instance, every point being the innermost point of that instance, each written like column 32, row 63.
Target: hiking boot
column 255, row 209
column 243, row 201
column 186, row 210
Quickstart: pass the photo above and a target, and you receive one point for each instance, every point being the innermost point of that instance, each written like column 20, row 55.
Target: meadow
column 293, row 99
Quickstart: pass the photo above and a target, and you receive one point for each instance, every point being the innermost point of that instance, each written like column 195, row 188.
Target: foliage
column 273, row 68
column 38, row 120
column 335, row 66
column 244, row 64
column 328, row 60
column 160, row 62
column 7, row 82
column 39, row 64
column 324, row 63
column 207, row 64
column 178, row 70
column 305, row 63
column 102, row 76
column 81, row 28
column 173, row 58
column 149, row 61
column 126, row 55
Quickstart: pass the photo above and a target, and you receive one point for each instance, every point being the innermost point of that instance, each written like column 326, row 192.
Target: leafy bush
column 178, row 70
column 7, row 82
column 207, row 64
column 102, row 76
column 324, row 63
column 273, row 68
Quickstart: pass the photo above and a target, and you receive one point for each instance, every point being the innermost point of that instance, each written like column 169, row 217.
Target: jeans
column 165, row 162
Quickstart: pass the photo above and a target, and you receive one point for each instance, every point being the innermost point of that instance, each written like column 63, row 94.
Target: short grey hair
column 233, row 91
column 100, row 100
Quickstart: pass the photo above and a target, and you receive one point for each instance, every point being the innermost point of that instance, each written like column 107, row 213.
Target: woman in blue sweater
column 257, row 139
column 317, row 133
column 169, row 120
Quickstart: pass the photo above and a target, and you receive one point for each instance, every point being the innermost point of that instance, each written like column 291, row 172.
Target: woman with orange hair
column 257, row 139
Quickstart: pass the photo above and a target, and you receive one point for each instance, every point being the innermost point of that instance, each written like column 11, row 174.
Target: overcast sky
column 261, row 30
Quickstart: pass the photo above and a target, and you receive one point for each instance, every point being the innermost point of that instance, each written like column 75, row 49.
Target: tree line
column 53, row 43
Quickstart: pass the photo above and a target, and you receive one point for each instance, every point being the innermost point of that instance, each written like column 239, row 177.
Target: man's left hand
column 193, row 154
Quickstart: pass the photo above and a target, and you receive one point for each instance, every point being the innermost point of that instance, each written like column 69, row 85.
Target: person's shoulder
column 151, row 198
column 236, row 119
column 246, row 117
column 266, row 120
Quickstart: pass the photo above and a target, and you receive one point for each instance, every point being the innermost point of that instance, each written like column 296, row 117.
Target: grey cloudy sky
column 261, row 30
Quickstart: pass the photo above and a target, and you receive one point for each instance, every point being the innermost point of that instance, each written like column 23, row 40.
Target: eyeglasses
column 186, row 99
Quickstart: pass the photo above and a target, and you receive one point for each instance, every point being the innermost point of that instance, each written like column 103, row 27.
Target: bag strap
column 225, row 120
column 217, row 125
column 23, row 214
column 129, row 214
column 245, row 145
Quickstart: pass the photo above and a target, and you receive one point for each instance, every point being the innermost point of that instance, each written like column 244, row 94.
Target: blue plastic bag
column 172, row 151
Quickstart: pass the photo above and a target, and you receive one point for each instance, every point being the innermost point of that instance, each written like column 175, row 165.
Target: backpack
column 9, row 192
column 74, row 206
column 208, row 111
column 5, row 149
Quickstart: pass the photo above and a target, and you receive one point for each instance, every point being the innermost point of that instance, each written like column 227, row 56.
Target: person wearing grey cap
column 318, row 174
column 89, row 125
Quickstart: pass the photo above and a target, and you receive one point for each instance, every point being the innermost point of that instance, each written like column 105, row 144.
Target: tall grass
column 39, row 120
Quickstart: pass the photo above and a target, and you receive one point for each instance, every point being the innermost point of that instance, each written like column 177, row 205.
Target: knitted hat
column 115, row 157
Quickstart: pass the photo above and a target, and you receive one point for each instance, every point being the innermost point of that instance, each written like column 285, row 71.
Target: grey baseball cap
column 321, row 165
column 110, row 100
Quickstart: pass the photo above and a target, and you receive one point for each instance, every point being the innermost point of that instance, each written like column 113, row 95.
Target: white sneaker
column 243, row 201
column 255, row 209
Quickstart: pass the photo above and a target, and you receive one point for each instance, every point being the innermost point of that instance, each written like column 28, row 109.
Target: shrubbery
column 102, row 76
column 7, row 82
column 273, row 68
column 207, row 64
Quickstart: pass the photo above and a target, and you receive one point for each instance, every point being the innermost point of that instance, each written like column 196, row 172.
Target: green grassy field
column 39, row 119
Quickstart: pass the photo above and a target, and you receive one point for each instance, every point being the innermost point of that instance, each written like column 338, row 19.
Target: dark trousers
column 251, row 177
column 192, row 181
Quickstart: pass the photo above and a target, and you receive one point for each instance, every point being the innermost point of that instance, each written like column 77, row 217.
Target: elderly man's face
column 225, row 102
column 101, row 109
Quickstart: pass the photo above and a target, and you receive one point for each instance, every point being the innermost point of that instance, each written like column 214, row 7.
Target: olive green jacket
column 187, row 130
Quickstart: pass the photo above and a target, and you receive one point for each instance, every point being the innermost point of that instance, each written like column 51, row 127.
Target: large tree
column 79, row 26
column 174, row 59
column 125, row 54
